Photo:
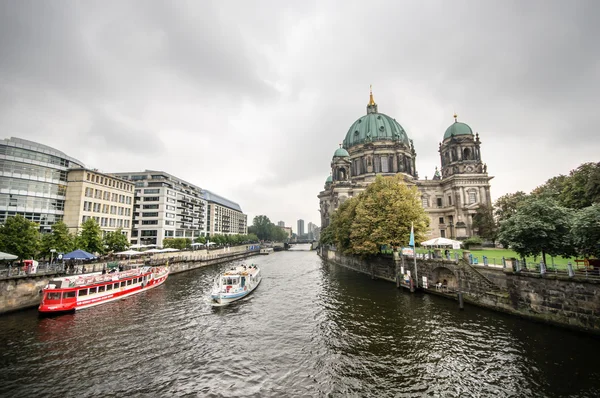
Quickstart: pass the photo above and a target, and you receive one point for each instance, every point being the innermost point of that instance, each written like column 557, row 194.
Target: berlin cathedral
column 376, row 144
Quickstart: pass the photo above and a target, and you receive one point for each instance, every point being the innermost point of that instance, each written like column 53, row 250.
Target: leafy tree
column 552, row 188
column 384, row 214
column 341, row 223
column 200, row 239
column 592, row 187
column 586, row 231
column 60, row 239
column 90, row 237
column 262, row 227
column 485, row 224
column 252, row 238
column 20, row 237
column 540, row 225
column 507, row 205
column 574, row 194
column 177, row 243
column 115, row 241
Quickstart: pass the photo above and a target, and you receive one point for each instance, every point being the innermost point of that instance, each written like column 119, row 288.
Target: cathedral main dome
column 375, row 127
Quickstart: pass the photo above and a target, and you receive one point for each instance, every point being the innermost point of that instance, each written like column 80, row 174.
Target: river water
column 310, row 329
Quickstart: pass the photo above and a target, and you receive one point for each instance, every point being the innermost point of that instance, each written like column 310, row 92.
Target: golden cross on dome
column 455, row 116
column 371, row 100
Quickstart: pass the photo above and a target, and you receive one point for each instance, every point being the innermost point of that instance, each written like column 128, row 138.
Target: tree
column 60, row 239
column 115, row 241
column 592, row 187
column 262, row 227
column 540, row 225
column 384, row 214
column 485, row 224
column 90, row 237
column 20, row 237
column 575, row 192
column 507, row 205
column 586, row 231
column 381, row 215
column 177, row 243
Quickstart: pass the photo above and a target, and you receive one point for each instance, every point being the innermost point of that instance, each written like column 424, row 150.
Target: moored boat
column 266, row 250
column 235, row 284
column 72, row 293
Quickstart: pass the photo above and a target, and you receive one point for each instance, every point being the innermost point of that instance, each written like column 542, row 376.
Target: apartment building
column 224, row 217
column 107, row 199
column 165, row 207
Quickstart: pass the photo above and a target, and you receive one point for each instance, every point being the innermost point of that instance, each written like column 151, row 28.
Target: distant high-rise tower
column 300, row 228
column 280, row 224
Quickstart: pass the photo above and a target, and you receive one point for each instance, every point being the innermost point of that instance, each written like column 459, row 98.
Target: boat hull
column 48, row 308
column 227, row 298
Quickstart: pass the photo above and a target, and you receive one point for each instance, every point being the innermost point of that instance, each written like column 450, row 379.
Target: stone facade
column 377, row 145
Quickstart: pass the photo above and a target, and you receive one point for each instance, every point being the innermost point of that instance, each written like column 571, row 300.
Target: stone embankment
column 24, row 290
column 554, row 298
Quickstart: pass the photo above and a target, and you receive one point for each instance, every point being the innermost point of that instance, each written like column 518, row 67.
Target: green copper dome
column 375, row 127
column 328, row 180
column 458, row 128
column 341, row 153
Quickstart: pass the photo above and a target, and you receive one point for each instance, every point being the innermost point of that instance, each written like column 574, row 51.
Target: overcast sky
column 250, row 99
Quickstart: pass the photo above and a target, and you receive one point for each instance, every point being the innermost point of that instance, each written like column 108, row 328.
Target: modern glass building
column 33, row 181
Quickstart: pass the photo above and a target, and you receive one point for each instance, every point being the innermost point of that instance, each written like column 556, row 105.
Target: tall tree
column 262, row 227
column 586, row 231
column 592, row 187
column 90, row 237
column 506, row 206
column 540, row 226
column 115, row 241
column 60, row 239
column 20, row 237
column 340, row 227
column 485, row 224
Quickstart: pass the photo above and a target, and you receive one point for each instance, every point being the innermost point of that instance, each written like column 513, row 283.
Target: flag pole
column 412, row 243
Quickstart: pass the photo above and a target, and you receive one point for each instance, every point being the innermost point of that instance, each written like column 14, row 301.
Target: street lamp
column 52, row 251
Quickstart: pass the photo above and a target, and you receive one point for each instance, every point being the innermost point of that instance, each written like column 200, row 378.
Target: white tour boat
column 82, row 291
column 235, row 284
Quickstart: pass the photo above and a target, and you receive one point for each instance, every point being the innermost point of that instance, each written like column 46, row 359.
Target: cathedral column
column 483, row 196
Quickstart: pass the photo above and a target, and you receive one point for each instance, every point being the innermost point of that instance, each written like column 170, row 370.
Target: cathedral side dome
column 457, row 128
column 341, row 153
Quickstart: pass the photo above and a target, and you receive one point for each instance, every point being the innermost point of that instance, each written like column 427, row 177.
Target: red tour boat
column 77, row 292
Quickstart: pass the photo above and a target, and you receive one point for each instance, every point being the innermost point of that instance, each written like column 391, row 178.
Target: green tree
column 540, row 225
column 340, row 227
column 115, row 241
column 20, row 237
column 90, row 237
column 384, row 214
column 177, row 243
column 252, row 238
column 200, row 239
column 485, row 224
column 592, row 187
column 552, row 188
column 506, row 206
column 262, row 227
column 575, row 192
column 60, row 239
column 586, row 231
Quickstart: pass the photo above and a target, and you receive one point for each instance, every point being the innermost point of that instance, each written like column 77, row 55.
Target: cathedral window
column 384, row 164
column 441, row 220
column 472, row 197
column 443, row 233
column 467, row 154
column 449, row 200
column 425, row 202
column 377, row 164
column 439, row 202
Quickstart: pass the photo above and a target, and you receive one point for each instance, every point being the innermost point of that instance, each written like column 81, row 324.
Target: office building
column 224, row 217
column 300, row 228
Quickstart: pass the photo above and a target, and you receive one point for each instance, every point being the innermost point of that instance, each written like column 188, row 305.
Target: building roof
column 375, row 127
column 36, row 146
column 213, row 197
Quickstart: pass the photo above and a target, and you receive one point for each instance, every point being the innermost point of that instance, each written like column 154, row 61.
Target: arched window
column 467, row 154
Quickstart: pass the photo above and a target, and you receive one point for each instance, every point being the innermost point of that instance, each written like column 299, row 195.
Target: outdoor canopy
column 6, row 256
column 129, row 253
column 78, row 255
column 441, row 242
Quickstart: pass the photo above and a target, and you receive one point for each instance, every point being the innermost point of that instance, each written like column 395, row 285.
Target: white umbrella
column 168, row 249
column 6, row 256
column 138, row 246
column 152, row 251
column 441, row 242
column 129, row 253
column 197, row 244
column 210, row 243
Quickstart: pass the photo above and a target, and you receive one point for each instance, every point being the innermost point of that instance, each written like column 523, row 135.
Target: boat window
column 69, row 294
column 123, row 284
column 53, row 296
column 101, row 288
column 128, row 282
column 83, row 292
column 116, row 285
column 92, row 290
column 109, row 287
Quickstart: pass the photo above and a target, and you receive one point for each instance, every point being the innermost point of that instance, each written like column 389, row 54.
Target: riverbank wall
column 559, row 299
column 24, row 291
